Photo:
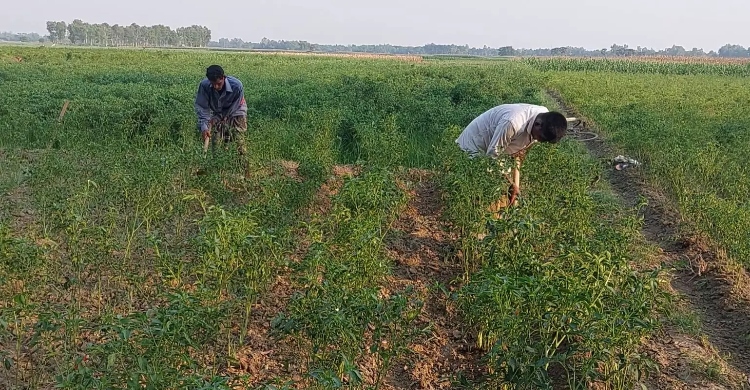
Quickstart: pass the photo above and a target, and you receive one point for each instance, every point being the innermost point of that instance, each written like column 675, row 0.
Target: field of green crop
column 691, row 132
column 121, row 267
column 687, row 66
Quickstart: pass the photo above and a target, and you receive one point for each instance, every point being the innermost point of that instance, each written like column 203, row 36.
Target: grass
column 688, row 66
column 698, row 121
column 123, row 268
column 554, row 288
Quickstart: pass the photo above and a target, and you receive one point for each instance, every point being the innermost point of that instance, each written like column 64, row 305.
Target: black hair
column 554, row 126
column 214, row 72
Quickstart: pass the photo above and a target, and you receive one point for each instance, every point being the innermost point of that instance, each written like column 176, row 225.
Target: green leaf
column 111, row 359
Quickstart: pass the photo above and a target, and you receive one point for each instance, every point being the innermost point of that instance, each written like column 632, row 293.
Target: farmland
column 704, row 137
column 357, row 251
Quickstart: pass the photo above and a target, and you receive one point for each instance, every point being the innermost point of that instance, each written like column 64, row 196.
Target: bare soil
column 705, row 281
column 263, row 358
column 421, row 248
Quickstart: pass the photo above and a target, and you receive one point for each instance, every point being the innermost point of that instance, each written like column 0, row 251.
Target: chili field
column 353, row 246
column 690, row 130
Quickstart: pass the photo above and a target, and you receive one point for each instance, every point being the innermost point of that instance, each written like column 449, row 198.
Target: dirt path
column 719, row 296
column 263, row 357
column 421, row 248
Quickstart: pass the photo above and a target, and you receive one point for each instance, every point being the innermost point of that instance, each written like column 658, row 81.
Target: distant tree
column 236, row 43
column 675, row 51
column 506, row 51
column 733, row 51
column 618, row 50
column 52, row 30
column 60, row 31
column 78, row 32
column 82, row 33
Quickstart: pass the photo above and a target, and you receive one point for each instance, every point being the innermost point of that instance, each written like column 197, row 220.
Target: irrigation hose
column 578, row 135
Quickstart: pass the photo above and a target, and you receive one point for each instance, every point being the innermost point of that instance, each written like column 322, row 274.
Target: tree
column 57, row 31
column 560, row 51
column 619, row 50
column 733, row 51
column 77, row 32
column 52, row 30
column 696, row 52
column 506, row 51
column 675, row 51
column 60, row 30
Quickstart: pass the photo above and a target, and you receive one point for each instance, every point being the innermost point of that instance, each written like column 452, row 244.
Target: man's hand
column 219, row 118
column 206, row 135
column 516, row 183
column 514, row 193
column 521, row 155
column 211, row 123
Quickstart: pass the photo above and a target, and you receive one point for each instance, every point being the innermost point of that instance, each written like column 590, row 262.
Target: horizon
column 537, row 24
column 216, row 39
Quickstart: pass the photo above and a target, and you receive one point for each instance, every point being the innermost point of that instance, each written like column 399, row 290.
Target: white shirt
column 505, row 128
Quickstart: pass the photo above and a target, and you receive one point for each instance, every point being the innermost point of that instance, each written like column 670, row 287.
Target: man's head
column 215, row 74
column 549, row 127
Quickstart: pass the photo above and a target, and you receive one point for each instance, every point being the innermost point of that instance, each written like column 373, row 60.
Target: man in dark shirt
column 221, row 108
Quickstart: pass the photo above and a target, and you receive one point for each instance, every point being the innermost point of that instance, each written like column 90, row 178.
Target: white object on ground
column 626, row 160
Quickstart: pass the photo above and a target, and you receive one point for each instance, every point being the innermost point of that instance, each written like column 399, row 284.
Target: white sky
column 592, row 24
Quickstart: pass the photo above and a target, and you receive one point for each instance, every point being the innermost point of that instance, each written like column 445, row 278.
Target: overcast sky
column 591, row 24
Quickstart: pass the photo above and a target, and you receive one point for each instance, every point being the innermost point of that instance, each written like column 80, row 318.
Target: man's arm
column 238, row 99
column 516, row 180
column 202, row 109
column 502, row 136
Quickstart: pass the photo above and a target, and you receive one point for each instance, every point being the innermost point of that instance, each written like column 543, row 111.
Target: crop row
column 690, row 134
column 660, row 65
column 121, row 265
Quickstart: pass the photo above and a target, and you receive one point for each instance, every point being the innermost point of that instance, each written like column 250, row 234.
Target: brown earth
column 262, row 358
column 421, row 248
column 420, row 245
column 704, row 279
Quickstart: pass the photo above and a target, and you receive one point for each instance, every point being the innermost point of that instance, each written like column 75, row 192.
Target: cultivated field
column 357, row 251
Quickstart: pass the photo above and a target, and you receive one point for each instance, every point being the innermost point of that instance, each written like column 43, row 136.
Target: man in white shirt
column 511, row 129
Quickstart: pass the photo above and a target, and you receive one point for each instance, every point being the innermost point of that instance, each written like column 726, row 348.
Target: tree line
column 21, row 37
column 103, row 34
column 79, row 32
column 615, row 50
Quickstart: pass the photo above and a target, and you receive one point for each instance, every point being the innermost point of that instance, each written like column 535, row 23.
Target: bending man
column 220, row 105
column 511, row 129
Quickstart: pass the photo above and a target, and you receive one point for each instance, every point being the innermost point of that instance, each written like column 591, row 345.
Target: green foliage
column 17, row 255
column 341, row 310
column 691, row 137
column 153, row 349
column 136, row 271
column 662, row 65
column 554, row 289
column 236, row 255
